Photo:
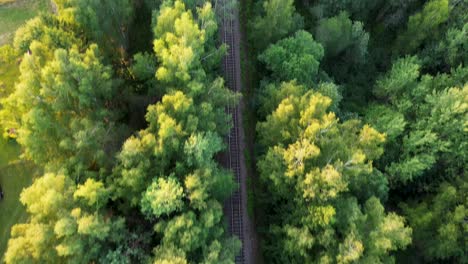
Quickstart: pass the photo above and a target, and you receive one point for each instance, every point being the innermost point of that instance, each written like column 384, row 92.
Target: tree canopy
column 321, row 179
column 62, row 119
column 296, row 58
column 352, row 122
column 161, row 198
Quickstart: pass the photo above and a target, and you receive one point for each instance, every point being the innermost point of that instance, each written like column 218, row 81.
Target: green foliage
column 105, row 21
column 168, row 170
column 419, row 104
column 49, row 31
column 423, row 25
column 439, row 223
column 9, row 71
column 400, row 79
column 14, row 13
column 451, row 51
column 144, row 66
column 376, row 14
column 278, row 20
column 333, row 92
column 340, row 36
column 314, row 169
column 92, row 192
column 180, row 43
column 162, row 197
column 60, row 117
column 324, row 174
column 175, row 144
column 359, row 9
column 425, row 121
column 272, row 94
column 61, row 228
column 318, row 169
column 7, row 54
column 387, row 120
column 296, row 58
column 457, row 46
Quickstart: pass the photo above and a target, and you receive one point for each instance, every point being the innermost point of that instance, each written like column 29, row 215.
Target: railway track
column 232, row 76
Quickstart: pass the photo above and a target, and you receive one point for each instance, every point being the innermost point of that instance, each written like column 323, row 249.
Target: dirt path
column 240, row 223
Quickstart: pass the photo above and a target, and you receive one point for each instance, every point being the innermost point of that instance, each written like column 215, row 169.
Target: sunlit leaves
column 92, row 192
column 59, row 108
column 180, row 41
column 58, row 228
column 400, row 78
column 162, row 197
column 315, row 168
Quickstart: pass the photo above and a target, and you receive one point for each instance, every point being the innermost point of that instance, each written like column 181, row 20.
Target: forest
column 114, row 123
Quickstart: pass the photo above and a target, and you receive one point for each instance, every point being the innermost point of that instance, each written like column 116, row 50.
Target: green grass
column 2, row 2
column 9, row 152
column 13, row 14
column 9, row 73
column 14, row 176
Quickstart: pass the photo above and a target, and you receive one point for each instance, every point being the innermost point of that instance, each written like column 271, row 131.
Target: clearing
column 13, row 14
column 14, row 176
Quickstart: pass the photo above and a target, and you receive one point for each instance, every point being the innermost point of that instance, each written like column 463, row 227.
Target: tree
column 341, row 36
column 181, row 43
column 457, row 49
column 425, row 122
column 163, row 197
column 66, row 222
column 423, row 25
column 296, row 58
column 144, row 66
column 278, row 20
column 176, row 154
column 168, row 171
column 316, row 169
column 362, row 10
column 377, row 14
column 106, row 22
column 439, row 223
column 346, row 59
column 10, row 70
column 48, row 30
column 59, row 108
column 166, row 176
column 448, row 52
column 271, row 94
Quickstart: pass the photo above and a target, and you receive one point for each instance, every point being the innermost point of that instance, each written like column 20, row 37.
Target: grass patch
column 2, row 2
column 9, row 152
column 14, row 176
column 13, row 14
column 13, row 179
column 9, row 73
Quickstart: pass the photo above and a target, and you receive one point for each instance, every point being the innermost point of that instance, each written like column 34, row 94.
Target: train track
column 232, row 77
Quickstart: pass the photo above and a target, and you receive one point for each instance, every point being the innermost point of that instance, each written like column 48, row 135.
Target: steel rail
column 230, row 71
